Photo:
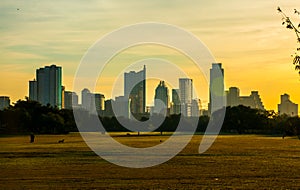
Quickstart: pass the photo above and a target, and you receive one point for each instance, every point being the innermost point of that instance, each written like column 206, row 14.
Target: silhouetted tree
column 26, row 117
column 290, row 126
column 289, row 24
column 243, row 119
column 202, row 124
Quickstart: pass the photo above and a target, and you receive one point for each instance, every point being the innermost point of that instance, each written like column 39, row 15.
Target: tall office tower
column 121, row 107
column 233, row 95
column 63, row 97
column 186, row 96
column 161, row 99
column 175, row 105
column 71, row 99
column 196, row 107
column 4, row 102
column 99, row 102
column 216, row 88
column 109, row 108
column 49, row 88
column 287, row 107
column 86, row 99
column 135, row 90
column 33, row 90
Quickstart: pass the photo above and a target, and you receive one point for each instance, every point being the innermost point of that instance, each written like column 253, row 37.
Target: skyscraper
column 99, row 102
column 86, row 99
column 195, row 108
column 48, row 86
column 175, row 105
column 33, row 90
column 216, row 88
column 4, row 102
column 109, row 108
column 71, row 99
column 287, row 107
column 161, row 99
column 233, row 95
column 135, row 90
column 186, row 95
column 121, row 107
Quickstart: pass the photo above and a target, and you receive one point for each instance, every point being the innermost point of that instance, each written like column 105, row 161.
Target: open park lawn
column 234, row 162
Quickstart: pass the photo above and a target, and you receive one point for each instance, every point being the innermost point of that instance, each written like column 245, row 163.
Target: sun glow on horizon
column 245, row 36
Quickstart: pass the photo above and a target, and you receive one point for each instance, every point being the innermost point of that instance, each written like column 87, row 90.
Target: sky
column 245, row 36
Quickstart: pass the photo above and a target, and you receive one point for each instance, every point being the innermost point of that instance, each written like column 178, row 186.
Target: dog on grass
column 61, row 141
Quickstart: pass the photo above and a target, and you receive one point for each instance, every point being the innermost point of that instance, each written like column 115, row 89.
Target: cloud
column 242, row 34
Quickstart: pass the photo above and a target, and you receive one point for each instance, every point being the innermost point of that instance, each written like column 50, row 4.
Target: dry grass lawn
column 233, row 162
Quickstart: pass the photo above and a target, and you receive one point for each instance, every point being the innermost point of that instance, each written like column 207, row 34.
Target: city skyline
column 253, row 47
column 50, row 77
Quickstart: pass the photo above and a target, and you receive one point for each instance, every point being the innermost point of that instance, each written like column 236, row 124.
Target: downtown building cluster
column 47, row 89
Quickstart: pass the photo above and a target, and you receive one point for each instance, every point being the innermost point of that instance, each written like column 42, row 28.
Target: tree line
column 26, row 117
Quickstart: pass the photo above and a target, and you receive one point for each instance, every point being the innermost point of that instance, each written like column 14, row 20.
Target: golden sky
column 245, row 36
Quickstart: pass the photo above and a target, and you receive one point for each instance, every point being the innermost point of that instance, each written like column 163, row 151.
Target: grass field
column 234, row 162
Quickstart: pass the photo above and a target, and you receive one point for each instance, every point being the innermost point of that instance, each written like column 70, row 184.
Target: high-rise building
column 109, row 108
column 135, row 90
column 186, row 95
column 233, row 95
column 33, row 90
column 216, row 87
column 4, row 102
column 287, row 107
column 253, row 101
column 195, row 108
column 49, row 88
column 86, row 99
column 71, row 99
column 99, row 102
column 175, row 104
column 161, row 99
column 121, row 107
column 63, row 89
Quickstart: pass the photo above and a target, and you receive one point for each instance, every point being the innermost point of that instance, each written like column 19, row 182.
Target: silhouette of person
column 32, row 138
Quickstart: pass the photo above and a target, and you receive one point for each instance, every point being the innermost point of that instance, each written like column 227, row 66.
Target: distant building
column 175, row 104
column 4, row 102
column 71, row 99
column 135, row 90
column 195, row 108
column 186, row 95
column 161, row 99
column 287, row 107
column 253, row 101
column 92, row 102
column 63, row 97
column 109, row 108
column 216, row 87
column 233, row 96
column 86, row 99
column 121, row 107
column 234, row 99
column 99, row 102
column 47, row 89
column 33, row 90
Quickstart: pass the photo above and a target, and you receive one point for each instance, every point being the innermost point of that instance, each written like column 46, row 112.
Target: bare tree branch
column 296, row 28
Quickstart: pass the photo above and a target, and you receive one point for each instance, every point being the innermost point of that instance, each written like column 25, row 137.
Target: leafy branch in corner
column 287, row 22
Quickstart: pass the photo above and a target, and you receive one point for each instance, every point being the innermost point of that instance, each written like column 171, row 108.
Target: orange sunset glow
column 245, row 36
